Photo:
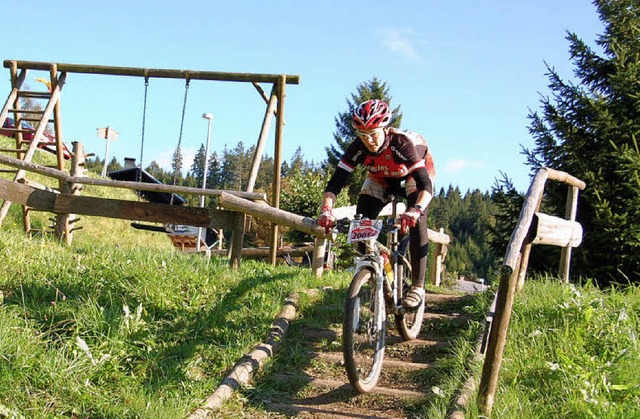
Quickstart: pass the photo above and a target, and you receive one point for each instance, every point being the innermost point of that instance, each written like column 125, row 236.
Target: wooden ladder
column 50, row 113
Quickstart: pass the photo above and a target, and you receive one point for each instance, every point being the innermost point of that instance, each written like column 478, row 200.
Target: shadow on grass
column 161, row 349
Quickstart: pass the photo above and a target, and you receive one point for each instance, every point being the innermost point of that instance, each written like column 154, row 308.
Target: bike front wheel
column 364, row 332
column 409, row 322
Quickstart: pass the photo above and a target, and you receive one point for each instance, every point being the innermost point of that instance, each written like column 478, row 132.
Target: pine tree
column 590, row 129
column 197, row 168
column 176, row 166
column 345, row 133
column 214, row 172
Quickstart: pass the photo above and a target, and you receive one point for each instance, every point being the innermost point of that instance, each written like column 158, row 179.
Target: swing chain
column 144, row 118
column 184, row 108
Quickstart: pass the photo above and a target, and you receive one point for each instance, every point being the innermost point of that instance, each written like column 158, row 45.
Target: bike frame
column 373, row 261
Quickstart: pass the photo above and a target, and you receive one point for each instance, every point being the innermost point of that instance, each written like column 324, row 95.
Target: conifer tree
column 197, row 168
column 589, row 129
column 176, row 166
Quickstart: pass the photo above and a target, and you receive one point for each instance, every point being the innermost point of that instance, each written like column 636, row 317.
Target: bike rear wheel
column 410, row 322
column 364, row 332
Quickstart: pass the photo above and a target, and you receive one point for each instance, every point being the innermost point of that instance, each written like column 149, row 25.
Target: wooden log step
column 397, row 340
column 8, row 171
column 263, row 252
column 313, row 411
column 336, row 358
column 321, row 334
column 455, row 317
column 341, row 385
column 34, row 95
column 391, row 339
column 13, row 150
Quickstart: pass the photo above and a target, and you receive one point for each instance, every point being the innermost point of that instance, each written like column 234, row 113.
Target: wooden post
column 236, row 240
column 277, row 164
column 524, row 260
column 65, row 221
column 570, row 214
column 436, row 267
column 497, row 337
column 262, row 139
column 317, row 262
column 506, row 290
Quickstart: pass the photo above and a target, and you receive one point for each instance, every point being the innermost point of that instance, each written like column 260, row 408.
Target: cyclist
column 395, row 160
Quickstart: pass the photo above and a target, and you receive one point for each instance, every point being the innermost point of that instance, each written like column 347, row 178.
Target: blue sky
column 466, row 73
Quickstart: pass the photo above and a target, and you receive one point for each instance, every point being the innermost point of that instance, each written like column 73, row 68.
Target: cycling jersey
column 403, row 153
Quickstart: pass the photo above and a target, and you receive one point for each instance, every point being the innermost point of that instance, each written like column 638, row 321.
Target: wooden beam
column 37, row 199
column 526, row 217
column 153, row 72
column 42, row 200
column 141, row 186
column 561, row 176
column 275, row 215
column 277, row 163
column 131, row 210
column 262, row 140
column 556, row 231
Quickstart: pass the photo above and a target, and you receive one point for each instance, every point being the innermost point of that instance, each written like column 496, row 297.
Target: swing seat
column 185, row 238
column 136, row 174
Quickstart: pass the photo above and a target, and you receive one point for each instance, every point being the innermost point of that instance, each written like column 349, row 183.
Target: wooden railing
column 308, row 225
column 532, row 228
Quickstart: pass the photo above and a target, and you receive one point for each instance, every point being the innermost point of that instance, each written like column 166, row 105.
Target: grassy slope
column 119, row 325
column 572, row 352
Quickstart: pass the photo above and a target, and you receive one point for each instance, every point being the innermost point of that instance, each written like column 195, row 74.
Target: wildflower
column 553, row 366
column 623, row 315
column 437, row 391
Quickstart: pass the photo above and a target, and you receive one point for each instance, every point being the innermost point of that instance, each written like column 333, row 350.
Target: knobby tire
column 363, row 340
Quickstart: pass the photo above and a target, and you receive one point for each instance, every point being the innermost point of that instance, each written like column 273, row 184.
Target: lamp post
column 209, row 118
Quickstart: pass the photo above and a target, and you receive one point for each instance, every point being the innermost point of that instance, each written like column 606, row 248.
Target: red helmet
column 371, row 114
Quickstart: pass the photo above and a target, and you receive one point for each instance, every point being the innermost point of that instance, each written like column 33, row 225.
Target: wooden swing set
column 66, row 202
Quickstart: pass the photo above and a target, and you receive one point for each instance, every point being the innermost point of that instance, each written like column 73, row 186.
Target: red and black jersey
column 403, row 153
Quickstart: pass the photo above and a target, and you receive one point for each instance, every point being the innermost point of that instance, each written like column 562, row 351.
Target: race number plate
column 360, row 230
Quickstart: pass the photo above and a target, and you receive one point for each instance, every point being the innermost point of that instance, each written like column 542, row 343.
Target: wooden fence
column 308, row 225
column 533, row 227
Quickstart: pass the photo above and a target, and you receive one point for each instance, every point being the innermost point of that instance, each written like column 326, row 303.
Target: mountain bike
column 382, row 276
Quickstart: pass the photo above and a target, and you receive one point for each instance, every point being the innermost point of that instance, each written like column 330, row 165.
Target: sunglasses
column 368, row 133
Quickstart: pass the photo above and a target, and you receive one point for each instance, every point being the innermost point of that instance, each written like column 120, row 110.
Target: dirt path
column 308, row 379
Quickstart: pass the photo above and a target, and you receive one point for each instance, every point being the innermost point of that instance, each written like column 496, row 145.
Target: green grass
column 572, row 352
column 118, row 325
column 102, row 331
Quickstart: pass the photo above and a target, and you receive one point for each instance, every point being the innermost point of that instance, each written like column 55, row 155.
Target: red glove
column 326, row 219
column 409, row 219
